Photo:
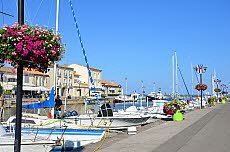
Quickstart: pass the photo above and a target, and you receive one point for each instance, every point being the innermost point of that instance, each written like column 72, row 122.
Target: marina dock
column 203, row 130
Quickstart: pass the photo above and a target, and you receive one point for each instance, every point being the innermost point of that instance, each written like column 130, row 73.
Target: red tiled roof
column 26, row 71
column 8, row 69
column 103, row 83
column 75, row 74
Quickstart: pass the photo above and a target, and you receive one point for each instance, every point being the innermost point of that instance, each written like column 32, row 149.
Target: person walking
column 57, row 108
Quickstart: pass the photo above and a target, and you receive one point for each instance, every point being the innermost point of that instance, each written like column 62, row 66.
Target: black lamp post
column 200, row 69
column 17, row 141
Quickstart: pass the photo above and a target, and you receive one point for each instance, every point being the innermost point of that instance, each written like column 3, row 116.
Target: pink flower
column 31, row 43
column 6, row 35
column 29, row 47
column 31, row 58
column 25, row 53
column 53, row 52
column 14, row 33
column 26, row 37
column 14, row 53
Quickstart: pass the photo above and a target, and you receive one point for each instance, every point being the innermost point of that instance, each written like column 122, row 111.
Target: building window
column 65, row 82
column 41, row 82
column 26, row 79
column 36, row 82
column 69, row 82
column 59, row 82
column 44, row 81
column 65, row 73
column 12, row 80
column 59, row 72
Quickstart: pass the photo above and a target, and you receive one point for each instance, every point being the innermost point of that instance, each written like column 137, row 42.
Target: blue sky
column 136, row 38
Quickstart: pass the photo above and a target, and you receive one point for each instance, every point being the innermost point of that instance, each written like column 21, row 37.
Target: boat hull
column 117, row 122
column 72, row 137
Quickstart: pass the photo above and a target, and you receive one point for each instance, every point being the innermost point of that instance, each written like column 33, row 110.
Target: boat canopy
column 30, row 88
column 49, row 103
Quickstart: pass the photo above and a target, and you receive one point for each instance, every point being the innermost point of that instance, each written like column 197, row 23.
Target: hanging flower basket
column 201, row 87
column 173, row 106
column 217, row 89
column 33, row 46
column 224, row 92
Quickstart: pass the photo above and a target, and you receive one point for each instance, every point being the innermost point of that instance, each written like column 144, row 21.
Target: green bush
column 7, row 92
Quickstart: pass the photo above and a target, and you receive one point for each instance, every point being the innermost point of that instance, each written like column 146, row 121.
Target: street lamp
column 200, row 69
column 217, row 82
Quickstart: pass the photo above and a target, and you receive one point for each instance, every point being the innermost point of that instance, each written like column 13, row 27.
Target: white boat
column 106, row 118
column 77, row 137
column 156, row 96
column 53, row 129
column 37, row 121
column 28, row 142
column 147, row 112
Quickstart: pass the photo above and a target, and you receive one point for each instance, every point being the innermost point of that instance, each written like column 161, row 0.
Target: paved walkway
column 203, row 130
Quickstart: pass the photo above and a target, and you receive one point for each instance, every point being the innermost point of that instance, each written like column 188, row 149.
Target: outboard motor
column 66, row 114
column 105, row 111
column 74, row 113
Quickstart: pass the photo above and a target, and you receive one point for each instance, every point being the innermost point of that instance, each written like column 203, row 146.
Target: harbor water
column 80, row 108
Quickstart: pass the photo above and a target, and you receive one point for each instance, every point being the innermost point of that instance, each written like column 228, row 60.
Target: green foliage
column 7, row 92
column 103, row 95
column 224, row 98
column 217, row 89
column 174, row 105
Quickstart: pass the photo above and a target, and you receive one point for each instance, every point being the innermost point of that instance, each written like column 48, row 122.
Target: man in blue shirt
column 57, row 108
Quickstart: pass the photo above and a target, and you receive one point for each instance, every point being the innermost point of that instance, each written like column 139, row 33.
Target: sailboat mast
column 56, row 30
column 55, row 64
column 173, row 89
column 176, row 74
column 192, row 80
column 126, row 88
column 142, row 86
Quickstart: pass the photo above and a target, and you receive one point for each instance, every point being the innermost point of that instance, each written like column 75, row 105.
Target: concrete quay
column 205, row 130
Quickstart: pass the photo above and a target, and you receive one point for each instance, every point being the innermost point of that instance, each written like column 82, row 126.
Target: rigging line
column 50, row 13
column 27, row 12
column 37, row 11
column 82, row 46
column 196, row 76
column 183, row 80
column 16, row 4
column 3, row 21
column 5, row 14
